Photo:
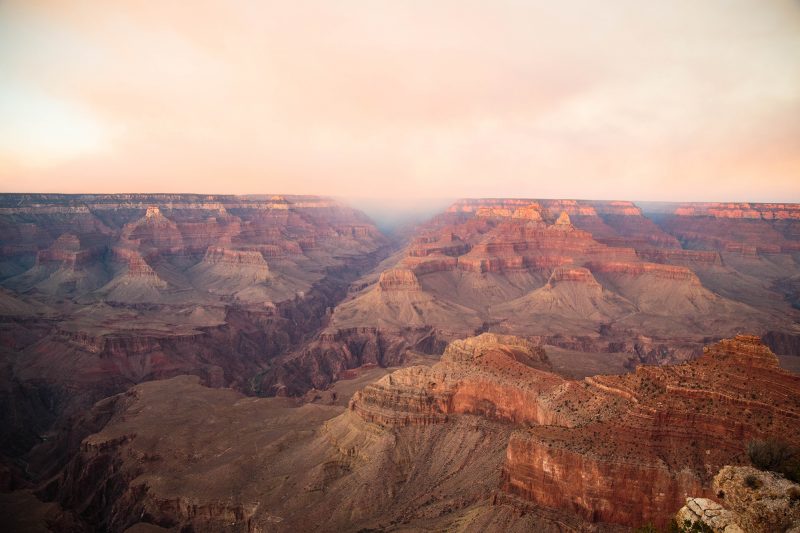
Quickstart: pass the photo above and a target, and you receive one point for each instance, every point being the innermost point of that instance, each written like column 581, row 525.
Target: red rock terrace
column 622, row 449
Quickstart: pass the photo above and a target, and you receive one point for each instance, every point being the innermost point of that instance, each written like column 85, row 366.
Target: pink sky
column 679, row 100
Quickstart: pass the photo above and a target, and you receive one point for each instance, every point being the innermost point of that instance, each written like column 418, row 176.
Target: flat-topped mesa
column 656, row 436
column 398, row 279
column 220, row 255
column 657, row 270
column 472, row 205
column 577, row 208
column 617, row 207
column 741, row 210
column 748, row 229
column 542, row 209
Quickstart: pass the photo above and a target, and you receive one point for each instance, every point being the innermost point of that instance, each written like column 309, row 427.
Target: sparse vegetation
column 674, row 527
column 752, row 482
column 775, row 456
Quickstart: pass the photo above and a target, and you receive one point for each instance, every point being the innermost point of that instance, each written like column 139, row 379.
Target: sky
column 624, row 99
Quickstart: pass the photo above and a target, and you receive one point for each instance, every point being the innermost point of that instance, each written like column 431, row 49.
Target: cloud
column 569, row 99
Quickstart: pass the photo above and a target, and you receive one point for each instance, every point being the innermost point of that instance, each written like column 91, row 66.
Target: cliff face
column 664, row 430
column 747, row 500
column 624, row 449
column 269, row 464
column 488, row 431
column 578, row 273
column 497, row 376
column 740, row 228
column 275, row 295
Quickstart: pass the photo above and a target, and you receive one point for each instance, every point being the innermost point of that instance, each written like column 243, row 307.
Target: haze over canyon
column 416, row 266
column 277, row 363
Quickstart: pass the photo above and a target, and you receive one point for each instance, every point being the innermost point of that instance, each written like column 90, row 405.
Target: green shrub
column 752, row 481
column 776, row 456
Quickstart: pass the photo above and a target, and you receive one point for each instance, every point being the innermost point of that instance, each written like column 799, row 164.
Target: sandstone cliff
column 625, row 449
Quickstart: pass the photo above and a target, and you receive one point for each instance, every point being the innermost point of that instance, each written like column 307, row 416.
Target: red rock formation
column 430, row 264
column 741, row 228
column 155, row 229
column 623, row 449
column 680, row 257
column 740, row 210
column 532, row 212
column 497, row 376
column 136, row 265
column 398, row 280
column 448, row 244
column 579, row 274
column 141, row 287
column 661, row 436
column 217, row 255
column 677, row 273
column 66, row 251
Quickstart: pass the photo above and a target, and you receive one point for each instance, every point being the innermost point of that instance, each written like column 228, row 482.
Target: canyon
column 276, row 363
column 101, row 292
column 486, row 438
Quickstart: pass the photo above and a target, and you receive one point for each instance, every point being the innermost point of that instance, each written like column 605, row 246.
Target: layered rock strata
column 623, row 449
column 106, row 291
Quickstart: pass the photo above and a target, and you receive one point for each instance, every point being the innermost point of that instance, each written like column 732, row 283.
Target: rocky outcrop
column 496, row 376
column 447, row 244
column 741, row 210
column 748, row 500
column 762, row 502
column 563, row 220
column 155, row 229
column 135, row 265
column 532, row 212
column 625, row 449
column 738, row 228
column 576, row 274
column 656, row 270
column 398, row 280
column 216, row 255
column 661, row 429
column 680, row 257
column 710, row 513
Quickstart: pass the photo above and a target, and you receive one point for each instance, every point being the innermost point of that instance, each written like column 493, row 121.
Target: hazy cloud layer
column 624, row 99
